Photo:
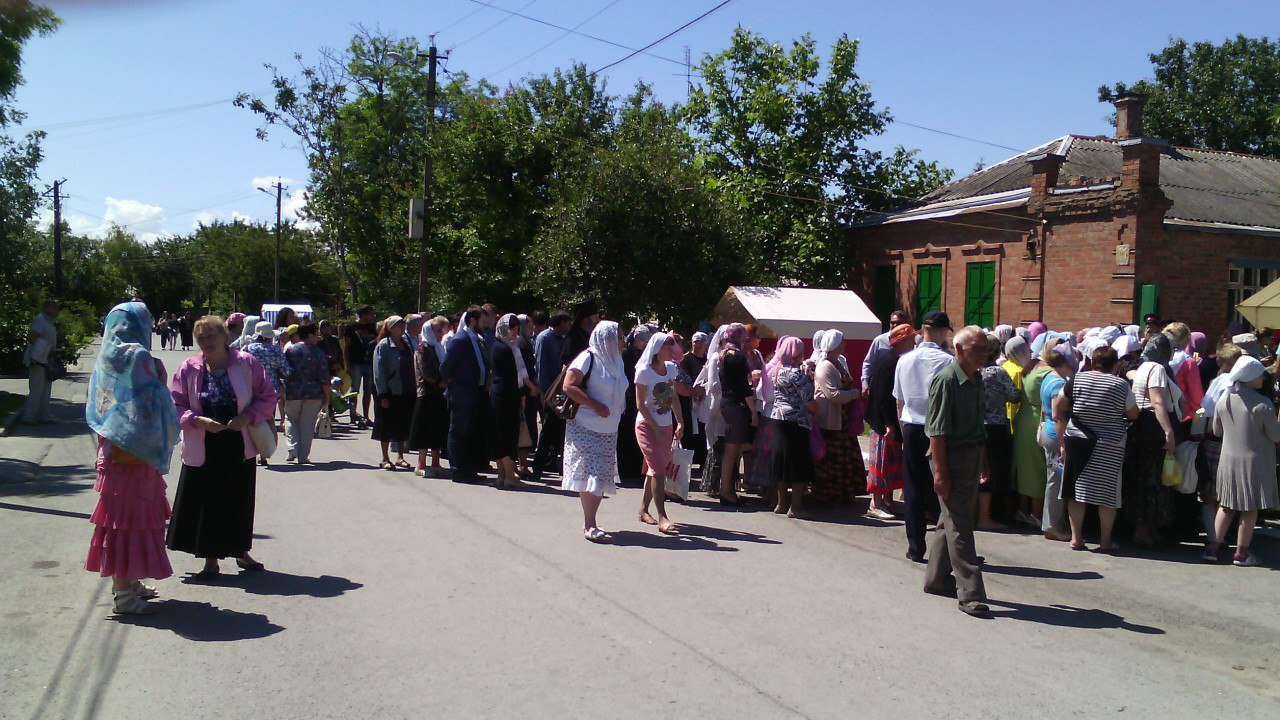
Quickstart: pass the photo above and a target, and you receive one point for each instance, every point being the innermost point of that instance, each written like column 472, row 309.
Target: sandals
column 128, row 602
column 668, row 529
column 1079, row 548
column 595, row 535
column 402, row 464
column 208, row 574
column 146, row 592
column 252, row 566
column 1108, row 549
column 386, row 465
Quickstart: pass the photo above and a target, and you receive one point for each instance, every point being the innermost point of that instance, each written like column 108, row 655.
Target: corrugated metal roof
column 1204, row 185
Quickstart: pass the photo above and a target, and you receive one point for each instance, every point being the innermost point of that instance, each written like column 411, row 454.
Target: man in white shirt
column 911, row 389
column 42, row 339
column 881, row 346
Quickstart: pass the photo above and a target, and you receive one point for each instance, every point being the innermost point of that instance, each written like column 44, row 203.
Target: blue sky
column 1012, row 73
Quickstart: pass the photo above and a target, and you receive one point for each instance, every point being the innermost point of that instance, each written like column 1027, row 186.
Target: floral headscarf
column 735, row 336
column 789, row 353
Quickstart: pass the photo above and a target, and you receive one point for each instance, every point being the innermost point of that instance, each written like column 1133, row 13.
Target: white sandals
column 129, row 602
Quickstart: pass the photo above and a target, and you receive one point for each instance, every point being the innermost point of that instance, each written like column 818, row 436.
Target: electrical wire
column 575, row 32
column 132, row 117
column 562, row 36
column 495, row 25
column 664, row 37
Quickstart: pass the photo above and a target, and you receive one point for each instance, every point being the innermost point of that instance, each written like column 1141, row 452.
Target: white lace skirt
column 590, row 461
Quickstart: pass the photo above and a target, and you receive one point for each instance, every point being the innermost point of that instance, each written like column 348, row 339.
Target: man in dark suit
column 465, row 371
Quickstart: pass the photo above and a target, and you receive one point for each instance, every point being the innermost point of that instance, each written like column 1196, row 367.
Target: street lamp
column 420, row 212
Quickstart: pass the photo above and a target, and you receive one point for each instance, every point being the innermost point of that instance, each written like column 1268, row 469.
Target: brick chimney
column 1140, row 163
column 1129, row 115
column 1044, row 176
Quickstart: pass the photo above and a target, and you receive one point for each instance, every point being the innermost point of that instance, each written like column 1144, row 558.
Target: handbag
column 324, row 426
column 817, row 443
column 560, row 403
column 679, row 471
column 262, row 434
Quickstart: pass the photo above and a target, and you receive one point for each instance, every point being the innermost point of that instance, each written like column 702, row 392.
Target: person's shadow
column 1036, row 572
column 202, row 622
column 283, row 584
column 632, row 538
column 1068, row 616
column 723, row 534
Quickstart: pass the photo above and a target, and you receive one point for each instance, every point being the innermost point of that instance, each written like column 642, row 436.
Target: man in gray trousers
column 957, row 446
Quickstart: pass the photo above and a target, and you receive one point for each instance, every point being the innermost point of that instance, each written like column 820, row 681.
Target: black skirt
column 392, row 423
column 214, row 504
column 999, row 459
column 504, row 425
column 429, row 429
column 792, row 458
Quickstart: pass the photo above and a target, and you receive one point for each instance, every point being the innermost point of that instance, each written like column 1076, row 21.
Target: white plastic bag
column 678, row 472
column 1186, row 453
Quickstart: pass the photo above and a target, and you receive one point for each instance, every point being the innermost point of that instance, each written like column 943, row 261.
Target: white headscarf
column 604, row 345
column 832, row 341
column 656, row 341
column 1247, row 368
column 428, row 337
column 1110, row 334
column 503, row 332
column 818, row 354
column 1126, row 344
column 1004, row 332
column 708, row 412
column 1131, row 331
column 247, row 333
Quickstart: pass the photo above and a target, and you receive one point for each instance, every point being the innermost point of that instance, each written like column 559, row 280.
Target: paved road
column 392, row 596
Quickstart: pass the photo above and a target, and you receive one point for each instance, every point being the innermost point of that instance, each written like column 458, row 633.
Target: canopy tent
column 1263, row 307
column 801, row 312
column 270, row 310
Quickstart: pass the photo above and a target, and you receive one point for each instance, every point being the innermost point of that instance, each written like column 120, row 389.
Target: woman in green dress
column 1029, row 469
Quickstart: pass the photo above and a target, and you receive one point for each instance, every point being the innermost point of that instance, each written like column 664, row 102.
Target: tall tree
column 785, row 141
column 1219, row 97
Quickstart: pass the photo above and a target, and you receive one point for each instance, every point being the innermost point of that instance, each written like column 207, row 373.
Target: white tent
column 800, row 312
column 270, row 310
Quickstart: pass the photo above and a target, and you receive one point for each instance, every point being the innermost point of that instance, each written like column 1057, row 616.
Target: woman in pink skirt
column 658, row 424
column 130, row 409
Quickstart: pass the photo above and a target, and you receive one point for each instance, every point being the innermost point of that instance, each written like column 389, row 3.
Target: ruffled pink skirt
column 129, row 522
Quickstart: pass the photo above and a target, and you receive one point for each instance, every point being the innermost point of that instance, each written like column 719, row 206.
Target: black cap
column 1150, row 317
column 584, row 310
column 936, row 319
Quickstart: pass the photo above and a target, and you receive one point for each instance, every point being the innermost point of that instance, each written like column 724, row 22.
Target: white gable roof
column 798, row 311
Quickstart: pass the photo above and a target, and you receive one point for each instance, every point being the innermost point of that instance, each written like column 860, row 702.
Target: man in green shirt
column 956, row 428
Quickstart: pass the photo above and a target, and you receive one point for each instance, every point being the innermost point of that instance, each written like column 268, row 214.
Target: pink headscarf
column 735, row 335
column 789, row 353
column 1034, row 329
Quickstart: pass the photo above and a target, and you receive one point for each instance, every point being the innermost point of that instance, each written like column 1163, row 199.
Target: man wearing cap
column 880, row 346
column 1153, row 326
column 911, row 381
column 955, row 424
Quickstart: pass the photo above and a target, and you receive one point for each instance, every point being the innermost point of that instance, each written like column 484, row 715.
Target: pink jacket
column 254, row 394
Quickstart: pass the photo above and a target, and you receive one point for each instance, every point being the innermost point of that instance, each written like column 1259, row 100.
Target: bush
column 78, row 325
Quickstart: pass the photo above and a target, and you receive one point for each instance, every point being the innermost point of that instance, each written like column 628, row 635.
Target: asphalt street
column 393, row 596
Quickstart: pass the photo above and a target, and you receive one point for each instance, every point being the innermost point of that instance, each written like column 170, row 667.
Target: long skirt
column 429, row 429
column 885, row 474
column 655, row 446
column 840, row 476
column 590, row 461
column 213, row 508
column 999, row 460
column 759, row 475
column 1147, row 501
column 504, row 427
column 129, row 521
column 792, row 459
column 711, row 472
column 392, row 423
column 630, row 461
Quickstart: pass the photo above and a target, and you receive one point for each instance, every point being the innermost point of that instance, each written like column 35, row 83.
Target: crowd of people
column 979, row 430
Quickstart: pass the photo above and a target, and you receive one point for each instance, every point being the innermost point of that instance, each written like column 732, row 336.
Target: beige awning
column 797, row 311
column 1263, row 307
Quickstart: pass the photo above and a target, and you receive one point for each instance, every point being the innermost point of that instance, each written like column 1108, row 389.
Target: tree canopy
column 1216, row 96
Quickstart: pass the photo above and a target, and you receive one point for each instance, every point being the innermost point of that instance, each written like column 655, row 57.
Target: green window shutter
column 928, row 290
column 886, row 292
column 980, row 294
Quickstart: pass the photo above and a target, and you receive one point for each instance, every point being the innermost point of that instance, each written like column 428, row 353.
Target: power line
column 562, row 36
column 575, row 32
column 664, row 37
column 960, row 137
column 133, row 116
column 495, row 25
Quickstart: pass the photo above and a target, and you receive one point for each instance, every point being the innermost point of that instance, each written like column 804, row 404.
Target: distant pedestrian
column 509, row 377
column 597, row 381
column 547, row 348
column 955, row 425
column 271, row 357
column 840, row 475
column 792, row 411
column 247, row 333
column 393, row 379
column 695, row 437
column 657, row 425
column 885, row 473
column 361, row 337
column 131, row 411
column 466, row 375
column 220, row 394
column 42, row 343
column 429, row 430
column 185, row 328
column 306, row 391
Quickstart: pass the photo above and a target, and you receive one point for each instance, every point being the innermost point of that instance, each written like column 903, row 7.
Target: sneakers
column 1249, row 560
column 1210, row 554
column 878, row 514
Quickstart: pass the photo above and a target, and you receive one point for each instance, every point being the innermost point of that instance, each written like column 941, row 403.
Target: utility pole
column 279, row 188
column 428, row 172
column 57, row 236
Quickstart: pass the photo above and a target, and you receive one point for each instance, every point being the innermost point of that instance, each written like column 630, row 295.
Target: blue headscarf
column 128, row 402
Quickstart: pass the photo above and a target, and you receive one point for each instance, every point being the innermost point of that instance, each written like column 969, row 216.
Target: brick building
column 1082, row 231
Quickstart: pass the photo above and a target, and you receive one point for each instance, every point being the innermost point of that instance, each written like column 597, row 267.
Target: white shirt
column 46, row 340
column 912, row 377
column 1217, row 390
column 608, row 391
column 661, row 392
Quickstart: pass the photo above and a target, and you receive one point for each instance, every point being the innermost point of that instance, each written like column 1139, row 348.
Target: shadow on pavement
column 19, row 478
column 68, row 421
column 202, row 622
column 724, row 535
column 631, row 538
column 282, row 584
column 1067, row 616
column 1044, row 573
column 44, row 511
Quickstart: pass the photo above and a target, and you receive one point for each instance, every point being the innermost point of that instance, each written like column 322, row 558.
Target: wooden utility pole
column 279, row 188
column 57, row 237
column 428, row 171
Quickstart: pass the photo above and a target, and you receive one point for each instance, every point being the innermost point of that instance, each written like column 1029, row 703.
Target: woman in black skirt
column 395, row 385
column 429, row 430
column 793, row 411
column 220, row 394
column 510, row 376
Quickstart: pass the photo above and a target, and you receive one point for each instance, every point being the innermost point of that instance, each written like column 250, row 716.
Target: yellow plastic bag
column 1172, row 473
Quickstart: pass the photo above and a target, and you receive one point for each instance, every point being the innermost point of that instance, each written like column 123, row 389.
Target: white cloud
column 237, row 216
column 145, row 221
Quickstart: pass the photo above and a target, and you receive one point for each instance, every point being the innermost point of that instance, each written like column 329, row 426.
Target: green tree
column 1220, row 97
column 784, row 143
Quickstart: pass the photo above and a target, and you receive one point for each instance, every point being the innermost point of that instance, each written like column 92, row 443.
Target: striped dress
column 1095, row 438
